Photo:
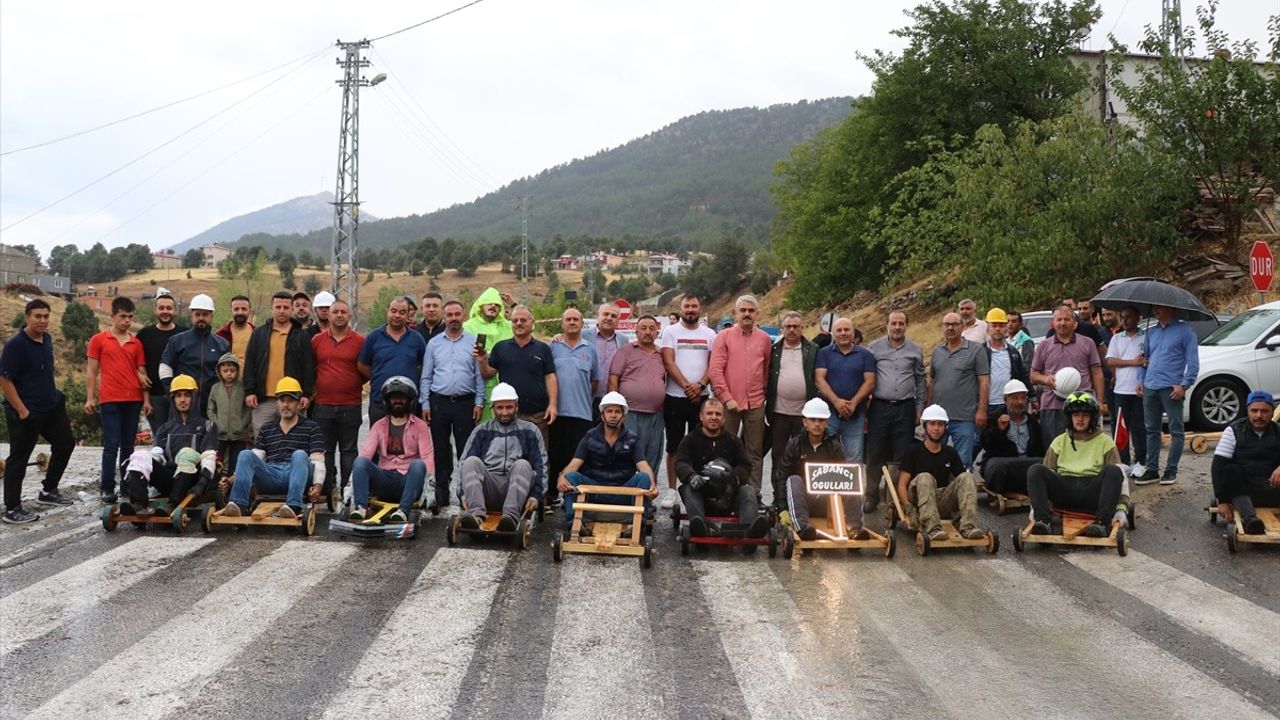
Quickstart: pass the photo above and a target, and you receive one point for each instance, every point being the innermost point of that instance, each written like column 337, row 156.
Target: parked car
column 1240, row 356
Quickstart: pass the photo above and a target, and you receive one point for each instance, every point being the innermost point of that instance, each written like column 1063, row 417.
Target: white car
column 1240, row 356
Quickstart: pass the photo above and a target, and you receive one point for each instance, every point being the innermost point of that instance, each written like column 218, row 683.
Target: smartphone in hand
column 481, row 341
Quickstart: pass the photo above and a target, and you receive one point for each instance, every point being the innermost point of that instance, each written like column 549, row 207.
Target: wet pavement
column 266, row 623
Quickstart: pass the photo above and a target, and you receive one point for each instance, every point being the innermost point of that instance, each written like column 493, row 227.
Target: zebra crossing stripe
column 42, row 543
column 43, row 606
column 602, row 648
column 1191, row 603
column 152, row 677
column 422, row 653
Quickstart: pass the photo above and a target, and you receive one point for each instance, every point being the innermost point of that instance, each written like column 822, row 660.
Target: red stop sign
column 624, row 309
column 1262, row 266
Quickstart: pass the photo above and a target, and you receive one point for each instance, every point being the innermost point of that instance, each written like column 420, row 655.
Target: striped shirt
column 279, row 446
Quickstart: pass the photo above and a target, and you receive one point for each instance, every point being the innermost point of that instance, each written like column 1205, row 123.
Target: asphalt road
column 264, row 623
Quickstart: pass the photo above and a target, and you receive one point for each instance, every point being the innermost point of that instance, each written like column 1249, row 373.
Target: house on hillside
column 567, row 262
column 658, row 264
column 214, row 254
column 19, row 267
column 167, row 261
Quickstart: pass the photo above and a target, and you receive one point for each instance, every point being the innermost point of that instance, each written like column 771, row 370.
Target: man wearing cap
column 740, row 377
column 971, row 328
column 286, row 450
column 960, row 377
column 302, row 313
column 814, row 443
column 897, row 400
column 608, row 455
column 238, row 329
column 154, row 339
column 503, row 466
column 1011, row 444
column 1246, row 464
column 451, row 391
column 1003, row 360
column 195, row 352
column 278, row 349
column 339, row 389
column 390, row 350
column 1066, row 348
column 933, row 482
column 322, row 302
column 397, row 456
column 1171, row 366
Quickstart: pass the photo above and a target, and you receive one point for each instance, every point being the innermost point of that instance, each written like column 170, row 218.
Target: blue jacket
column 193, row 353
column 500, row 446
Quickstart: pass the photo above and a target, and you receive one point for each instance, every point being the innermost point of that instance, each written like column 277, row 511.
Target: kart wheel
column 892, row 547
column 890, row 516
column 993, row 542
column 773, row 542
column 922, row 543
column 206, row 519
column 109, row 521
column 179, row 519
column 682, row 532
column 557, row 544
column 1131, row 513
column 1232, row 545
column 788, row 546
column 1000, row 504
column 1017, row 541
column 333, row 500
column 219, row 499
column 646, row 560
column 675, row 519
column 522, row 534
column 451, row 530
column 309, row 520
column 1121, row 536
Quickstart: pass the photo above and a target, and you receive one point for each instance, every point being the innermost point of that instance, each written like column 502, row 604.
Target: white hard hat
column 503, row 391
column 816, row 409
column 613, row 398
column 1066, row 381
column 201, row 302
column 1014, row 386
column 324, row 298
column 934, row 413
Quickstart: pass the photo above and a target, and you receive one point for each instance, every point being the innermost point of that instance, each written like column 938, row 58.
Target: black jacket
column 996, row 443
column 696, row 450
column 796, row 454
column 1254, row 457
column 299, row 360
column 808, row 358
column 1017, row 369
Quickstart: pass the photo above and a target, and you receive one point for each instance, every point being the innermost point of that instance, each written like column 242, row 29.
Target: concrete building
column 214, row 254
column 167, row 261
column 19, row 267
column 658, row 264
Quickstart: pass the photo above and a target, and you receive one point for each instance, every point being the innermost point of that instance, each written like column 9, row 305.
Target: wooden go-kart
column 1235, row 533
column 924, row 544
column 1073, row 525
column 377, row 525
column 177, row 517
column 1003, row 503
column 732, row 532
column 41, row 463
column 259, row 514
column 489, row 528
column 835, row 480
column 616, row 529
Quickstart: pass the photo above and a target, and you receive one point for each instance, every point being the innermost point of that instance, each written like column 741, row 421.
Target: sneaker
column 809, row 532
column 1040, row 527
column 229, row 510
column 20, row 516
column 859, row 534
column 1148, row 477
column 1137, row 470
column 469, row 521
column 52, row 498
column 109, row 498
column 938, row 534
column 759, row 527
column 397, row 516
column 668, row 500
column 1253, row 525
column 1169, row 478
column 358, row 514
column 1095, row 530
column 870, row 505
column 285, row 512
column 508, row 523
column 698, row 526
column 974, row 533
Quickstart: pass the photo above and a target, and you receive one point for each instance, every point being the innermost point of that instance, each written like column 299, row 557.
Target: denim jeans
column 964, row 438
column 639, row 480
column 289, row 478
column 387, row 485
column 1154, row 402
column 852, row 434
column 119, row 431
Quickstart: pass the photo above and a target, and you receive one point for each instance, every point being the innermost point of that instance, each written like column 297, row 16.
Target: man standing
column 33, row 408
column 488, row 319
column 606, row 343
column 638, row 373
column 972, row 329
column 1126, row 355
column 238, row 329
column 277, row 350
column 451, row 391
column 322, row 304
column 302, row 313
column 686, row 354
column 338, row 389
column 154, row 339
column 115, row 357
column 195, row 352
column 846, row 376
column 740, row 376
column 791, row 384
column 388, row 351
column 960, row 375
column 897, row 400
column 525, row 364
column 1066, row 348
column 432, row 315
column 1005, row 362
column 577, row 376
column 1172, row 364
column 1019, row 338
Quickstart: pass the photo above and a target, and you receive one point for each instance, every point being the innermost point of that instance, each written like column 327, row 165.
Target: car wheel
column 1216, row 403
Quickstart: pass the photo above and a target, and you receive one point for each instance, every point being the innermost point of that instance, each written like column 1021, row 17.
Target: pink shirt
column 417, row 445
column 740, row 366
column 642, row 378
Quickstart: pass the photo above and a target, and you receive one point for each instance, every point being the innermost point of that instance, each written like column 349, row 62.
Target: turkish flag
column 1122, row 431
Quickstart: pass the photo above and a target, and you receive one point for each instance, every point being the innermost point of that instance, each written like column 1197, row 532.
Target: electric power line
column 428, row 20
column 424, row 144
column 158, row 108
column 447, row 163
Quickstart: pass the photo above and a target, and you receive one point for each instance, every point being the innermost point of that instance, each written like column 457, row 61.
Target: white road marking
column 416, row 665
column 1191, row 603
column 602, row 648
column 54, row 539
column 156, row 675
column 35, row 610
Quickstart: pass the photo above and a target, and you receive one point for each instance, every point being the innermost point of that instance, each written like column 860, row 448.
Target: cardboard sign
column 834, row 478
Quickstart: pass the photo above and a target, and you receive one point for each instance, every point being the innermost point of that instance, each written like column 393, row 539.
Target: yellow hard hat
column 288, row 386
column 183, row 382
column 997, row 315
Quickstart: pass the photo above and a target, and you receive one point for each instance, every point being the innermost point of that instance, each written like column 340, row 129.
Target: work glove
column 1121, row 517
column 697, row 482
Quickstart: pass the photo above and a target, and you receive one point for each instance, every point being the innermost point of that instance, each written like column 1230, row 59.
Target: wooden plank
column 590, row 549
column 250, row 520
column 607, row 508
column 610, row 490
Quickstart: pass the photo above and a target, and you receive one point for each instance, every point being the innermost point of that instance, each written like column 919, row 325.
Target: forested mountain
column 689, row 180
column 299, row 215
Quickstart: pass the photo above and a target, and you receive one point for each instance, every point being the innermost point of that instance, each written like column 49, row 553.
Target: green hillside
column 689, row 180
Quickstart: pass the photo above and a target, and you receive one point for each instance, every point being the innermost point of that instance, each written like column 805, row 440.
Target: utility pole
column 1171, row 27
column 344, row 277
column 524, row 248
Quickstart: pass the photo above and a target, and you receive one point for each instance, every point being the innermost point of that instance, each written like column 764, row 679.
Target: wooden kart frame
column 1235, row 533
column 489, row 528
column 894, row 512
column 607, row 537
column 259, row 514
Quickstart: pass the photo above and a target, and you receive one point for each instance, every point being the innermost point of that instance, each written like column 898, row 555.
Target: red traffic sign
column 624, row 309
column 1262, row 266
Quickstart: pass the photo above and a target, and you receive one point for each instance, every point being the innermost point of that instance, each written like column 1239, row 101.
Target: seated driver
column 1081, row 471
column 503, row 466
column 396, row 457
column 183, row 459
column 714, row 470
column 934, row 484
column 608, row 454
column 1011, row 444
column 815, row 443
column 286, row 451
column 1246, row 464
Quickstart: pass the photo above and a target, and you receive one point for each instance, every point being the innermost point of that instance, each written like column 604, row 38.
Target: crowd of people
column 467, row 403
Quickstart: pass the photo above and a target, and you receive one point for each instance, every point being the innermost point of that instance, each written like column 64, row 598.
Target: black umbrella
column 1146, row 294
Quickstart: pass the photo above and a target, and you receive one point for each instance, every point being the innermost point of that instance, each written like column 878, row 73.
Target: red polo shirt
column 118, row 365
column 338, row 379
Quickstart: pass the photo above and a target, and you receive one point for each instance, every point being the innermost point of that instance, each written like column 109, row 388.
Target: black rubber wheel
column 682, row 532
column 1213, row 511
column 451, row 531
column 1233, row 545
column 333, row 499
column 773, row 542
column 1121, row 537
column 557, row 546
column 675, row 520
column 1131, row 513
column 646, row 560
column 109, row 521
column 890, row 516
column 993, row 542
column 892, row 547
column 788, row 545
column 1017, row 541
column 922, row 543
column 522, row 534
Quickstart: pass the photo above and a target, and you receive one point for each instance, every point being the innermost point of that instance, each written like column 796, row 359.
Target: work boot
column 1253, row 525
column 1040, row 527
column 1095, row 529
column 469, row 521
column 808, row 532
column 698, row 526
column 508, row 523
column 759, row 527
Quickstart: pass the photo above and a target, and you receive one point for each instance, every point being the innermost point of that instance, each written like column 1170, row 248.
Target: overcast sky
column 495, row 92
